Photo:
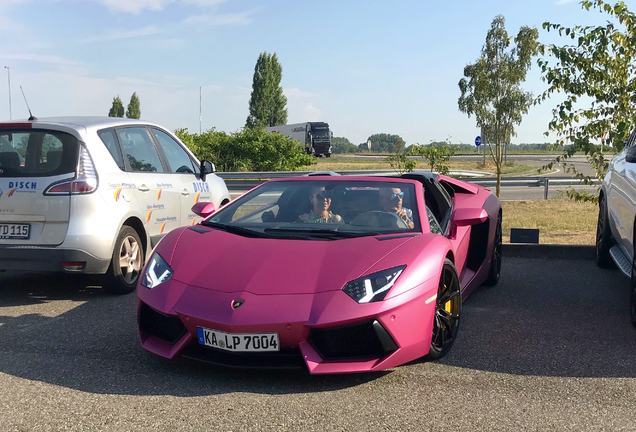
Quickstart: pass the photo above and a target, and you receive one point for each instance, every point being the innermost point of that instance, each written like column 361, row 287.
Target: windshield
column 323, row 210
column 321, row 132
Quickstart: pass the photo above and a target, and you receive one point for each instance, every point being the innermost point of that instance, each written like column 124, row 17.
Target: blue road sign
column 478, row 141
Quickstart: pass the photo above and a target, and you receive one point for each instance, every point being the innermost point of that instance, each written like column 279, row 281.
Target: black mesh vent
column 165, row 327
column 367, row 339
column 478, row 245
column 289, row 358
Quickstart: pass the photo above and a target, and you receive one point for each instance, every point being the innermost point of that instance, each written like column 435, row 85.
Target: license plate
column 238, row 342
column 15, row 231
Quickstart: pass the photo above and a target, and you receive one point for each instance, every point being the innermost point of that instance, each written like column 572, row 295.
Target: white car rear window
column 36, row 153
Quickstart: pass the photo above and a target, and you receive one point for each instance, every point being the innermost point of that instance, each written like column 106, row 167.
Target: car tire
column 495, row 261
column 603, row 235
column 632, row 299
column 445, row 321
column 632, row 307
column 126, row 264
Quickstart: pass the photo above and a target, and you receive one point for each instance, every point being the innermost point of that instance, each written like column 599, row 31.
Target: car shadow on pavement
column 60, row 330
column 547, row 317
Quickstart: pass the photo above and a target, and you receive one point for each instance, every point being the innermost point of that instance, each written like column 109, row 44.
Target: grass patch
column 558, row 221
column 342, row 164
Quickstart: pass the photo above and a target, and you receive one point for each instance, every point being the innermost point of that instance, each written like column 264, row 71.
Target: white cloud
column 116, row 34
column 136, row 6
column 563, row 2
column 42, row 58
column 172, row 101
column 210, row 20
column 311, row 113
column 296, row 93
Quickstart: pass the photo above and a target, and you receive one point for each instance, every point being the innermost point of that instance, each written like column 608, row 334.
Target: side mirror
column 207, row 167
column 469, row 216
column 203, row 209
column 630, row 154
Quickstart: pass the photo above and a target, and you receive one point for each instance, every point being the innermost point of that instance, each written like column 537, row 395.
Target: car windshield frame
column 282, row 209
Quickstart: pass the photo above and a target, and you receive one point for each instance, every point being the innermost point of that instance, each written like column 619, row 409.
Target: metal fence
column 247, row 180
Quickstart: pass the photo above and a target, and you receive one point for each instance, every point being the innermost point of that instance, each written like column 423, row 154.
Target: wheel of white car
column 603, row 235
column 126, row 263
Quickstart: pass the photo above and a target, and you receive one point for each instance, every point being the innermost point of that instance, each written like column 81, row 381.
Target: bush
column 251, row 149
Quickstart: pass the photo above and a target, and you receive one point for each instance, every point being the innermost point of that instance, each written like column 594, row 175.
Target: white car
column 615, row 230
column 95, row 194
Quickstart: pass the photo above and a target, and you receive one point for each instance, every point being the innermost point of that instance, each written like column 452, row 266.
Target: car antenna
column 27, row 104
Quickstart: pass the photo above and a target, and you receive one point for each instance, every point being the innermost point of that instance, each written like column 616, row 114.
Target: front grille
column 165, row 327
column 368, row 339
column 288, row 358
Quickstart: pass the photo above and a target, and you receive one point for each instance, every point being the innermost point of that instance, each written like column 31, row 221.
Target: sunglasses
column 396, row 196
column 322, row 196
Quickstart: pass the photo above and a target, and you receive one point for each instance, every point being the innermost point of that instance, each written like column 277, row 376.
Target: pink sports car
column 337, row 274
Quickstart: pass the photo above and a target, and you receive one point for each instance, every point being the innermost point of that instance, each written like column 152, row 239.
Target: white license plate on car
column 15, row 231
column 238, row 342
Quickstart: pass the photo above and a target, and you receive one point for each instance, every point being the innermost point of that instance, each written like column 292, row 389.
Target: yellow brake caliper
column 448, row 304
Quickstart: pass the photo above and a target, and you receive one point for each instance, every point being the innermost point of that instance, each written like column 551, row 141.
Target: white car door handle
column 185, row 192
column 143, row 188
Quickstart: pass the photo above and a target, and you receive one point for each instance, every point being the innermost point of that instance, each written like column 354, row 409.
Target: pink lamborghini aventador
column 337, row 274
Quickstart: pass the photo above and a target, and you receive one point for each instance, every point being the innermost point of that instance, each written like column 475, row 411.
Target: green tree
column 134, row 110
column 437, row 155
column 251, row 149
column 597, row 74
column 117, row 109
column 267, row 102
column 385, row 142
column 343, row 145
column 400, row 160
column 491, row 91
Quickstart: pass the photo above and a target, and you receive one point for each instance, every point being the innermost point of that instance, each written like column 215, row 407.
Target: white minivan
column 94, row 195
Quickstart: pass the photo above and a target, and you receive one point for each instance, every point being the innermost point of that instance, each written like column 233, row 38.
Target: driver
column 321, row 201
column 391, row 202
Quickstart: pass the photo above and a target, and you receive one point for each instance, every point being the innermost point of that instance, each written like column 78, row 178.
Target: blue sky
column 363, row 66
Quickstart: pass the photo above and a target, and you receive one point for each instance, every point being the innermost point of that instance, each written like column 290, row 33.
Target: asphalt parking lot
column 550, row 347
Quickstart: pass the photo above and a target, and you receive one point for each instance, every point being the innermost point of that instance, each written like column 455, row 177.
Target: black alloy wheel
column 448, row 309
column 603, row 236
column 495, row 263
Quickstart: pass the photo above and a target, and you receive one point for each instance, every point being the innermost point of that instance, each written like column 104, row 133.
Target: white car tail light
column 85, row 180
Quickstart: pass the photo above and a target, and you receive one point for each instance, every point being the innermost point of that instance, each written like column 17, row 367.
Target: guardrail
column 248, row 180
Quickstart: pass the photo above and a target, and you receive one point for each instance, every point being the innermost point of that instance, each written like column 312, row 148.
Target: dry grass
column 558, row 221
column 337, row 164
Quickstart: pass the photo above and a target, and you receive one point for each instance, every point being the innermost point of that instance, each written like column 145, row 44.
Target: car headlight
column 373, row 287
column 157, row 272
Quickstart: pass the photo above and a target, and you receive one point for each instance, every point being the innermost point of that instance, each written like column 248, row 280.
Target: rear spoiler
column 458, row 186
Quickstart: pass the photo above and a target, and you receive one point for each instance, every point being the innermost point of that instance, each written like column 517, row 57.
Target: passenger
column 321, row 200
column 391, row 202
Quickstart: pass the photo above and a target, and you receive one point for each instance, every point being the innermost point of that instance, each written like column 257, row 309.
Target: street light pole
column 9, row 78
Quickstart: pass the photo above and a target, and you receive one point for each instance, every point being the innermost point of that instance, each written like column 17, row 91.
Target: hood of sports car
column 228, row 262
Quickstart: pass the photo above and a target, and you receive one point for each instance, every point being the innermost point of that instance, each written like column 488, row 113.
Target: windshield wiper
column 237, row 230
column 322, row 233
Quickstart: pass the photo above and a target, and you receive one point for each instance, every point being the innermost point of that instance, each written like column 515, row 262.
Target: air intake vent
column 165, row 327
column 367, row 339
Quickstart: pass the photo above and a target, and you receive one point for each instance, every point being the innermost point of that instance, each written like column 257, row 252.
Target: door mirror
column 203, row 209
column 207, row 167
column 469, row 216
column 630, row 154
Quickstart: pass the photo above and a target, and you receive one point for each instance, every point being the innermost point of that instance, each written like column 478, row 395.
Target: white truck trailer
column 315, row 137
